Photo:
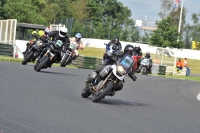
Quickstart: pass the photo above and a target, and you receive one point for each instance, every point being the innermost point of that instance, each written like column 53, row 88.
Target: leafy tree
column 195, row 28
column 166, row 35
column 23, row 11
column 2, row 3
column 166, row 7
column 52, row 14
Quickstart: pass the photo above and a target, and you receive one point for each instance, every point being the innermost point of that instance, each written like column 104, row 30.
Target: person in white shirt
column 79, row 44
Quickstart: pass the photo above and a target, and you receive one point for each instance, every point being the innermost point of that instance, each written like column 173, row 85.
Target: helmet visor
column 63, row 33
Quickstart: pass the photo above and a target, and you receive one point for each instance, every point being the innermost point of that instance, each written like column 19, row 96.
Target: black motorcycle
column 108, row 79
column 50, row 56
column 33, row 52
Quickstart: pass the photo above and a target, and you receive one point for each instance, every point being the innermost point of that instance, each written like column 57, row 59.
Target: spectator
column 187, row 68
column 157, row 61
column 179, row 65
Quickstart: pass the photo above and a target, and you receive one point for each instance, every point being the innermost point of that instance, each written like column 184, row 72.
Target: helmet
column 128, row 49
column 63, row 32
column 116, row 40
column 47, row 30
column 137, row 46
column 147, row 55
column 78, row 36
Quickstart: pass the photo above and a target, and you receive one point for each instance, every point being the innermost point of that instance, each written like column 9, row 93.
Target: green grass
column 179, row 77
column 11, row 59
column 92, row 52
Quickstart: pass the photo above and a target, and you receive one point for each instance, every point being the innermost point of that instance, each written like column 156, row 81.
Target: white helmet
column 63, row 32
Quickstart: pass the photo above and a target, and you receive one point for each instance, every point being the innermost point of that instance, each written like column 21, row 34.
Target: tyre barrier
column 86, row 62
column 6, row 49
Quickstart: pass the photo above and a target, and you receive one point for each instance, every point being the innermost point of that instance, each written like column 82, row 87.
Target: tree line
column 105, row 19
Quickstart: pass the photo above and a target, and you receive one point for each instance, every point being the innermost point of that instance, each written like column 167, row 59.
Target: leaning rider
column 43, row 35
column 79, row 44
column 147, row 56
column 127, row 50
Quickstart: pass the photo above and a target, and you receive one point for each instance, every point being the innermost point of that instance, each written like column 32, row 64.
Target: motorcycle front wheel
column 85, row 93
column 40, row 66
column 99, row 95
column 63, row 62
column 144, row 71
column 27, row 58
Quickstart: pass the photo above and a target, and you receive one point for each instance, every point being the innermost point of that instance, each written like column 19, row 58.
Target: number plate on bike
column 72, row 46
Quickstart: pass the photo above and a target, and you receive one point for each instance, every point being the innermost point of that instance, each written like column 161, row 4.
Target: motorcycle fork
column 52, row 55
column 102, row 84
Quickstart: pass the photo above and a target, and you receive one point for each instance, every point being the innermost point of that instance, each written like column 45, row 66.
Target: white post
column 180, row 20
column 11, row 28
column 6, row 32
column 162, row 55
column 1, row 23
column 14, row 38
column 175, row 62
column 179, row 29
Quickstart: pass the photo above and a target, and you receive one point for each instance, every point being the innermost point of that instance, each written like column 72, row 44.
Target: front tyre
column 27, row 58
column 99, row 95
column 63, row 62
column 85, row 93
column 143, row 70
column 40, row 66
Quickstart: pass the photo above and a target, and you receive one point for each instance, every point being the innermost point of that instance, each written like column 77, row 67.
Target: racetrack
column 50, row 102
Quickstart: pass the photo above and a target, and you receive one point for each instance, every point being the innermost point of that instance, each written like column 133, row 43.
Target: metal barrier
column 6, row 49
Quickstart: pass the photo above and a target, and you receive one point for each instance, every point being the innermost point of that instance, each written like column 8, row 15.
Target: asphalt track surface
column 50, row 102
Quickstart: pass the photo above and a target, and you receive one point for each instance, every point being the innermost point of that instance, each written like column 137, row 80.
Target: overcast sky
column 151, row 8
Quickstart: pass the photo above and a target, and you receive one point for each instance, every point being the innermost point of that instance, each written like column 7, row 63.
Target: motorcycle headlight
column 39, row 43
column 93, row 75
column 121, row 69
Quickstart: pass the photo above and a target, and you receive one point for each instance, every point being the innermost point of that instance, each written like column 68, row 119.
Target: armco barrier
column 6, row 49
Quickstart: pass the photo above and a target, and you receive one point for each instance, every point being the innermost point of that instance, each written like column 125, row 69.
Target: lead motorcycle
column 106, row 81
column 50, row 57
column 67, row 56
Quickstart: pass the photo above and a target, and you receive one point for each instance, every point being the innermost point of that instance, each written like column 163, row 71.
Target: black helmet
column 147, row 55
column 128, row 49
column 116, row 40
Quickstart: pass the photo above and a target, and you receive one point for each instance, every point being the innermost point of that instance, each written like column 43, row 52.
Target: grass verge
column 11, row 59
column 179, row 77
column 98, row 52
